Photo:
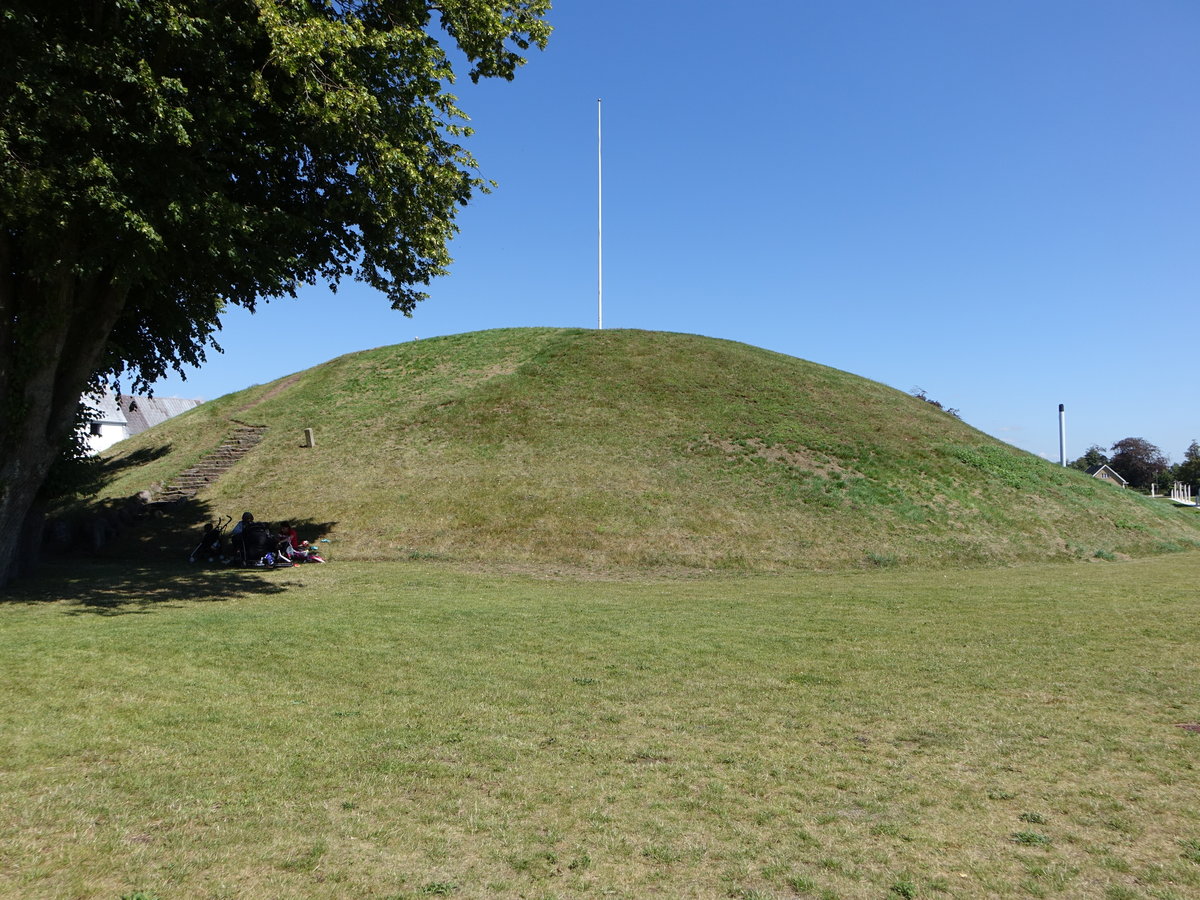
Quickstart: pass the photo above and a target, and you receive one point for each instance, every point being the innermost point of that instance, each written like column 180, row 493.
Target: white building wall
column 109, row 434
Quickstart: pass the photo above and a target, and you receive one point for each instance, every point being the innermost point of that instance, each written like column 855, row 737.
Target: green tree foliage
column 162, row 159
column 1093, row 456
column 1138, row 461
column 1188, row 471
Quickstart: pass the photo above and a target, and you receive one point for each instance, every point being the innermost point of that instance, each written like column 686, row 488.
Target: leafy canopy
column 188, row 154
column 1138, row 461
column 1188, row 471
column 1093, row 456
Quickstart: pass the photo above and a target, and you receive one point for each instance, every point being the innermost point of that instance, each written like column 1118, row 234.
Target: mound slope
column 553, row 449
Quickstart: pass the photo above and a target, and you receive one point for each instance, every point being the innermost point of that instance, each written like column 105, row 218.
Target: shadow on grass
column 109, row 588
column 110, row 467
column 115, row 558
column 115, row 529
column 92, row 473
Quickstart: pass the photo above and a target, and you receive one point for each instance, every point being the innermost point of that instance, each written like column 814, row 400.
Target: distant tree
column 161, row 160
column 1164, row 479
column 1188, row 471
column 1138, row 461
column 919, row 393
column 1093, row 456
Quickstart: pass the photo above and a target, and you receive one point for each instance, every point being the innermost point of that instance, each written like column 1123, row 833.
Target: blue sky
column 997, row 202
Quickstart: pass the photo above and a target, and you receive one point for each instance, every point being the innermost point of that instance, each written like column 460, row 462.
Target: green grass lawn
column 412, row 730
column 601, row 451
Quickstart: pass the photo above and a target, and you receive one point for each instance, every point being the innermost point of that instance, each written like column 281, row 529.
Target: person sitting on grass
column 291, row 547
column 251, row 543
column 247, row 520
column 210, row 544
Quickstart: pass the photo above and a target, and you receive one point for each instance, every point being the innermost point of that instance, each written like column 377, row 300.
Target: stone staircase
column 212, row 465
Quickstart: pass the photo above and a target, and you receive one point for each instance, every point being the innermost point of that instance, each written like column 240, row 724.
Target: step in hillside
column 212, row 466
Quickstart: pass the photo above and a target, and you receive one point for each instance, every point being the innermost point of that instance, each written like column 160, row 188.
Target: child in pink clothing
column 293, row 548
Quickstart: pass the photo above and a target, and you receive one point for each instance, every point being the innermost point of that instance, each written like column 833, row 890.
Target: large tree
column 1188, row 471
column 1138, row 461
column 161, row 159
column 1093, row 456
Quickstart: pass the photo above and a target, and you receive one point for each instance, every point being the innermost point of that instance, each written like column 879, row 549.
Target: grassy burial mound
column 555, row 449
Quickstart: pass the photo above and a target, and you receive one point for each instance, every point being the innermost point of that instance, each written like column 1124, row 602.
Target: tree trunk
column 22, row 479
column 54, row 336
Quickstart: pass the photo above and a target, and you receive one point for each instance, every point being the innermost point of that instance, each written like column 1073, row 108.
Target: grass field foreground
column 406, row 731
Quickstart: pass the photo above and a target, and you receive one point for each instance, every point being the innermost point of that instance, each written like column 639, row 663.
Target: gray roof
column 136, row 413
column 146, row 412
column 105, row 408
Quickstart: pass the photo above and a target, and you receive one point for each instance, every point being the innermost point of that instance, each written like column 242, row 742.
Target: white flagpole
column 599, row 225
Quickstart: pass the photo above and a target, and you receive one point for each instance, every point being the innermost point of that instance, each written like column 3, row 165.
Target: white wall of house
column 102, row 435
